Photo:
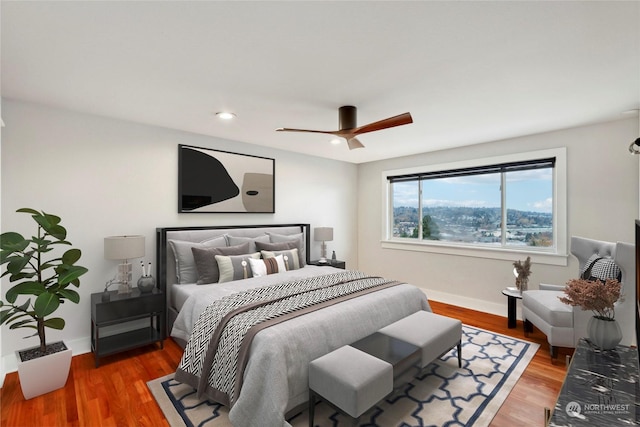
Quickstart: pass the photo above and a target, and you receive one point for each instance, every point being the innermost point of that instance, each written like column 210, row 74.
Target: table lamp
column 124, row 248
column 323, row 234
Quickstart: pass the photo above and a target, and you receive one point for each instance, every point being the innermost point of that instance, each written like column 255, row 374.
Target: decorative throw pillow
column 298, row 238
column 186, row 270
column 235, row 267
column 290, row 257
column 262, row 267
column 205, row 259
column 601, row 268
column 237, row 240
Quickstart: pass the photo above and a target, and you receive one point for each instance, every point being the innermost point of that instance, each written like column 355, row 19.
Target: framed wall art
column 221, row 181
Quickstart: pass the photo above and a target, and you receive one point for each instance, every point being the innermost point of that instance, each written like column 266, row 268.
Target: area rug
column 441, row 394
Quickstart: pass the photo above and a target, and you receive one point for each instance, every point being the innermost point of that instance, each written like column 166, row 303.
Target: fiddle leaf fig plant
column 45, row 278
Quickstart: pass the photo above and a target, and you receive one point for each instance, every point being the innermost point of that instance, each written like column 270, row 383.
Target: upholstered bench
column 350, row 379
column 433, row 333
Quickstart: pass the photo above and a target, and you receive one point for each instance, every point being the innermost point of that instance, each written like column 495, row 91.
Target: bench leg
column 460, row 354
column 312, row 407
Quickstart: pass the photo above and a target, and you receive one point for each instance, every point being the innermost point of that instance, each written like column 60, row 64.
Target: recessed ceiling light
column 224, row 115
column 336, row 141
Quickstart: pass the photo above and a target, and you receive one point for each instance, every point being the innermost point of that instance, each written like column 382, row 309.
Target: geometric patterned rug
column 441, row 394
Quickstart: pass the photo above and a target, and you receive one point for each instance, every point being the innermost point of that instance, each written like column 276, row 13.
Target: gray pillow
column 291, row 263
column 186, row 270
column 207, row 265
column 231, row 267
column 233, row 240
column 296, row 238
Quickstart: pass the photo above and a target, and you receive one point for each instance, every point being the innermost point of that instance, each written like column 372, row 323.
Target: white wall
column 108, row 177
column 602, row 180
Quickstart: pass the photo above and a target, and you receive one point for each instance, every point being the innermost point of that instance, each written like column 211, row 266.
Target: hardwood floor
column 115, row 394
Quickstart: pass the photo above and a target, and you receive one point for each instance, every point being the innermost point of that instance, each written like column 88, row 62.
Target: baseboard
column 472, row 303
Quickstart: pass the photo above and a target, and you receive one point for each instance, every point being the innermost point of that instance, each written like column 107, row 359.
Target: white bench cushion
column 434, row 333
column 351, row 379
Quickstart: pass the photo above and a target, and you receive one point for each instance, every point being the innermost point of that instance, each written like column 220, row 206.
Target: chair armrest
column 548, row 287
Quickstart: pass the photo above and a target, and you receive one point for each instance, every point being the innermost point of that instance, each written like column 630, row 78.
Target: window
column 503, row 203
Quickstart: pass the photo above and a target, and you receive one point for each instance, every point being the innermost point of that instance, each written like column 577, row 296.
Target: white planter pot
column 44, row 374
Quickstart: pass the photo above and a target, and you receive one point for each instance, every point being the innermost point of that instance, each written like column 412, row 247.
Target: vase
column 146, row 284
column 604, row 334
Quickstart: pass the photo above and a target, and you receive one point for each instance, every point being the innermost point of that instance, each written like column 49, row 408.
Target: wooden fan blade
column 306, row 130
column 399, row 120
column 353, row 143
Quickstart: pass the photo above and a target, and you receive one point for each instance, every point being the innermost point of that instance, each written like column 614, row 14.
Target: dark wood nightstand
column 122, row 308
column 329, row 263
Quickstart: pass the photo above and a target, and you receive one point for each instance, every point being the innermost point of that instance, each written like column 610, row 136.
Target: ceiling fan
column 349, row 130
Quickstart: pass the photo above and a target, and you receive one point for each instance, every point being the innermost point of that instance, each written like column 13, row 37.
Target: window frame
column 556, row 255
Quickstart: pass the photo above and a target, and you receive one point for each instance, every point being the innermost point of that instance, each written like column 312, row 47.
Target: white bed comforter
column 276, row 376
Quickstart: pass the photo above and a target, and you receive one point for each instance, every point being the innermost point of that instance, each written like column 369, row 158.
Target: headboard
column 165, row 259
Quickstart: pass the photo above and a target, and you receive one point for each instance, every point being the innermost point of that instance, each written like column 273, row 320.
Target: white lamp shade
column 123, row 247
column 323, row 234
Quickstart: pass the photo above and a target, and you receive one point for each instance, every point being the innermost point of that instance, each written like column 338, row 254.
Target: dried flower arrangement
column 523, row 271
column 594, row 295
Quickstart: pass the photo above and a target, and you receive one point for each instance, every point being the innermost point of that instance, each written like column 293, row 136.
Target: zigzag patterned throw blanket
column 216, row 354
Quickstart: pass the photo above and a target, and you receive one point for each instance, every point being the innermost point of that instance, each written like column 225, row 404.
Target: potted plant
column 46, row 283
column 600, row 297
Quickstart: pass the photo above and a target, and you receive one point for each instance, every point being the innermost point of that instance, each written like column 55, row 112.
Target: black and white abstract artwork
column 220, row 181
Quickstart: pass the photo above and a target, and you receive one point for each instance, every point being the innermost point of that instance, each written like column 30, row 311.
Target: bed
column 271, row 382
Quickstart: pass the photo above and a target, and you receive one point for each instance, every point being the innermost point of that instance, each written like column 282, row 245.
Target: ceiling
column 469, row 72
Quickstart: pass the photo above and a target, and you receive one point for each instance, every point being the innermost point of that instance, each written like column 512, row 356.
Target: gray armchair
column 563, row 324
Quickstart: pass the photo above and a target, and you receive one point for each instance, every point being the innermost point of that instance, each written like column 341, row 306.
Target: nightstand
column 122, row 308
column 336, row 264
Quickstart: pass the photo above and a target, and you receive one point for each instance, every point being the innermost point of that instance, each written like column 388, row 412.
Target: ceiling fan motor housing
column 347, row 117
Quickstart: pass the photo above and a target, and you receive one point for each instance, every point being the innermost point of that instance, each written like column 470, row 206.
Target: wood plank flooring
column 115, row 394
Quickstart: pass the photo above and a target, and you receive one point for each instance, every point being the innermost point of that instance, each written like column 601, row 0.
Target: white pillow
column 262, row 267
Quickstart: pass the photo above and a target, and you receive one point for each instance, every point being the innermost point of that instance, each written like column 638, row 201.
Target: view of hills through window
column 468, row 209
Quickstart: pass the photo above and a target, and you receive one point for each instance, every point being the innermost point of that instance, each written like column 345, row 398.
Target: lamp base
column 124, row 277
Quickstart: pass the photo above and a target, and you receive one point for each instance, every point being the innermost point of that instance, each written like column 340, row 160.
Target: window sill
column 477, row 252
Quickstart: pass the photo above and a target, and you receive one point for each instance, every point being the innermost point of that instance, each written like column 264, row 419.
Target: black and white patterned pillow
column 601, row 268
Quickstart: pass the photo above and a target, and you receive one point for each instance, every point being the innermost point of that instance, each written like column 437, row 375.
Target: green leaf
column 51, row 224
column 16, row 265
column 25, row 306
column 12, row 293
column 54, row 323
column 71, row 274
column 21, row 324
column 69, row 294
column 12, row 241
column 5, row 314
column 22, row 276
column 71, row 256
column 27, row 288
column 53, row 219
column 29, row 211
column 46, row 304
column 15, row 316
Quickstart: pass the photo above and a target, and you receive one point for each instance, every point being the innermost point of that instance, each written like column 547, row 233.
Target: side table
column 512, row 296
column 122, row 308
